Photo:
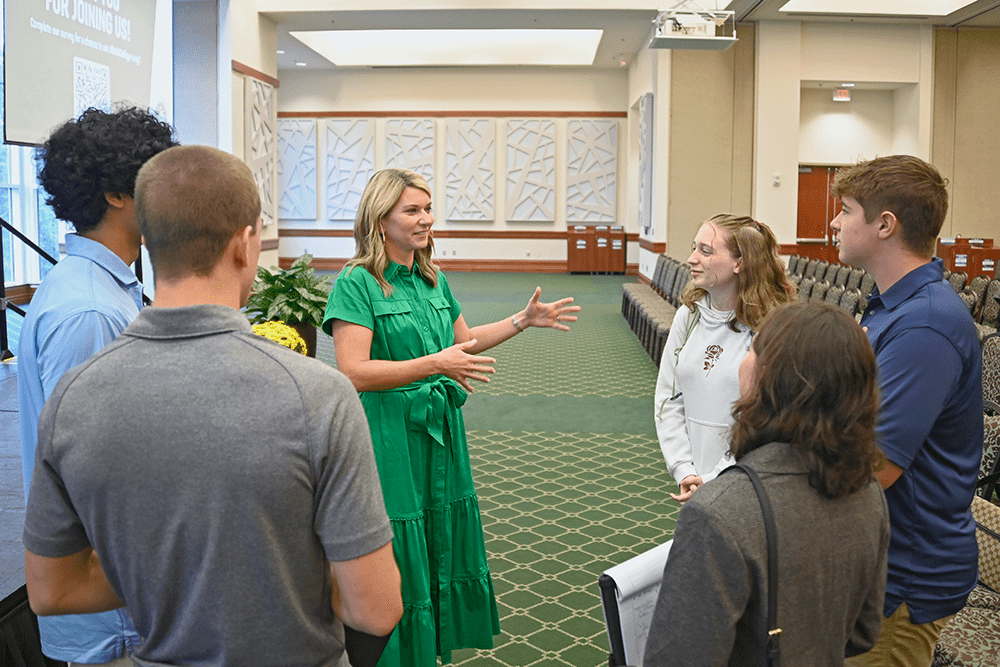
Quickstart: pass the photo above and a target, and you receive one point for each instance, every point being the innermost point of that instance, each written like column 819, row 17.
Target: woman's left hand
column 538, row 314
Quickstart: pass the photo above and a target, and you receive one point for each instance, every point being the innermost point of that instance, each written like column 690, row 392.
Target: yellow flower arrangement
column 282, row 334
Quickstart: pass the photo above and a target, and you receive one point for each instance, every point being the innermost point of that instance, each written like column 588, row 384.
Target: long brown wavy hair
column 815, row 389
column 763, row 281
column 380, row 195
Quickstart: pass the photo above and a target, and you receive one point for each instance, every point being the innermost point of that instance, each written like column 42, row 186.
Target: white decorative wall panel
column 646, row 163
column 350, row 162
column 591, row 170
column 409, row 144
column 470, row 163
column 261, row 115
column 531, row 173
column 297, row 178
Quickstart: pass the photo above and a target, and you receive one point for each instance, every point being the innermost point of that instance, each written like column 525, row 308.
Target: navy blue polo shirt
column 931, row 426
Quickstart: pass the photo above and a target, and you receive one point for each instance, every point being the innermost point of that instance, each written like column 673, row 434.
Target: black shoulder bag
column 773, row 632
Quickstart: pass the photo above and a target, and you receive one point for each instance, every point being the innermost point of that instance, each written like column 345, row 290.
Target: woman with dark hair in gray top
column 805, row 423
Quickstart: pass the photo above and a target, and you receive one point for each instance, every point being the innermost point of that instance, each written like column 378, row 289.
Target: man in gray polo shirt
column 229, row 499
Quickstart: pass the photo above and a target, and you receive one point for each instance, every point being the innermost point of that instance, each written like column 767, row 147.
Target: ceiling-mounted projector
column 706, row 30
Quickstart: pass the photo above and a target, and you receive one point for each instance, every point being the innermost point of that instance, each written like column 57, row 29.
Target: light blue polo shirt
column 84, row 303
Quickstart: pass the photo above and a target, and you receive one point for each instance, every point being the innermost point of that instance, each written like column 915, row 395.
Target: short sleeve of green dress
column 423, row 462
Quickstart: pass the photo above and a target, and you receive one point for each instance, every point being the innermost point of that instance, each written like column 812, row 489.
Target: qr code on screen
column 91, row 86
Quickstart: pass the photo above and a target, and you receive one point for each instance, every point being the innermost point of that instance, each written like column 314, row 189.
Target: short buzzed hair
column 910, row 188
column 190, row 202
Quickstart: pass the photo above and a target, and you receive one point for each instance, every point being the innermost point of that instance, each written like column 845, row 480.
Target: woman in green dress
column 401, row 339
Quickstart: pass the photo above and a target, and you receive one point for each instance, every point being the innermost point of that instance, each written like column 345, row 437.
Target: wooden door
column 817, row 207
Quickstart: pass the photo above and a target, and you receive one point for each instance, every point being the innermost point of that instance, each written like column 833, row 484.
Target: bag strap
column 771, row 535
column 692, row 323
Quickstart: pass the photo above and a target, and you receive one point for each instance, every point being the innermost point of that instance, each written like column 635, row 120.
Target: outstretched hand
column 538, row 314
column 455, row 362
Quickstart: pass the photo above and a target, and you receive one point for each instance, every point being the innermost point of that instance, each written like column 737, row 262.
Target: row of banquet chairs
column 816, row 277
column 650, row 309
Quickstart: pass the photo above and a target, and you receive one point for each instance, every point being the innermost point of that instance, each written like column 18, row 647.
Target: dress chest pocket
column 396, row 324
column 443, row 329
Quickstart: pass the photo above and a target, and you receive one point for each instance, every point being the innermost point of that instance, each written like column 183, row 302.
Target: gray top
column 215, row 473
column 832, row 560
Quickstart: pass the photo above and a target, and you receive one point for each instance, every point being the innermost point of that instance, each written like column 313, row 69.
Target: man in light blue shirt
column 88, row 167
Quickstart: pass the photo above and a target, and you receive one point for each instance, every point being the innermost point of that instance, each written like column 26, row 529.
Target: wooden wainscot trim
column 811, row 250
column 517, row 234
column 470, row 265
column 20, row 294
column 318, row 263
column 652, row 246
column 257, row 74
column 452, row 114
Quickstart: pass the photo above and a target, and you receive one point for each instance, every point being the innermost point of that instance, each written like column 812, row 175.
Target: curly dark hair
column 97, row 153
column 815, row 389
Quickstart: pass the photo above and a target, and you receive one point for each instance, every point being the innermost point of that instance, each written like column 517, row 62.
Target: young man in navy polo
column 930, row 428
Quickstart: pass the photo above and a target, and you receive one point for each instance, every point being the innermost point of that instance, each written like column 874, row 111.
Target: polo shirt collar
column 187, row 321
column 101, row 255
column 909, row 284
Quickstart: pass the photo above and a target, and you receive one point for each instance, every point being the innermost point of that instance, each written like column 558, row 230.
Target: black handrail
column 5, row 352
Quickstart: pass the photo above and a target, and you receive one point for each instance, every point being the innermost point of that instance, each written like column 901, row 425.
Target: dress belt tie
column 427, row 411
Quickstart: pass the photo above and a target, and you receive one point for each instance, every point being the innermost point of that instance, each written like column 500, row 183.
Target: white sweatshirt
column 695, row 391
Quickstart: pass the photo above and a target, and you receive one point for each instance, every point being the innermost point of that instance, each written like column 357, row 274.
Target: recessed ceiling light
column 402, row 48
column 280, row 52
column 883, row 7
column 299, row 64
column 847, row 85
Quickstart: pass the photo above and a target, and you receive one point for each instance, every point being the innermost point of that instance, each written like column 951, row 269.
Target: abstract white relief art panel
column 531, row 170
column 350, row 162
column 591, row 170
column 297, row 169
column 470, row 164
column 409, row 144
column 260, row 115
column 646, row 163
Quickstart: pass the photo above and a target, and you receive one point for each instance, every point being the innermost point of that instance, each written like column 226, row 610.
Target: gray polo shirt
column 215, row 473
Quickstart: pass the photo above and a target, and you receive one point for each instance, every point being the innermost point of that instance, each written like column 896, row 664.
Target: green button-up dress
column 423, row 464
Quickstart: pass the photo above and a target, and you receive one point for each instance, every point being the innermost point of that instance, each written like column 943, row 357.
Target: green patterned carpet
column 569, row 474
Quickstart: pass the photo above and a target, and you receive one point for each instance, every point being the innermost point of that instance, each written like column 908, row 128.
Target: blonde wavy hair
column 377, row 201
column 763, row 281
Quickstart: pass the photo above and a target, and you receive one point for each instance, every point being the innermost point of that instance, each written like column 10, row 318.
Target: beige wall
column 252, row 41
column 776, row 127
column 788, row 53
column 863, row 127
column 711, row 130
column 254, row 37
column 966, row 140
column 643, row 75
column 455, row 89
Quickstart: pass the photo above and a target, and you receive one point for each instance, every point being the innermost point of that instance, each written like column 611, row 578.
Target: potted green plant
column 296, row 296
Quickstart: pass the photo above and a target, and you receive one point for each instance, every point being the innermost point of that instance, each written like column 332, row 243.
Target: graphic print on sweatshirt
column 712, row 354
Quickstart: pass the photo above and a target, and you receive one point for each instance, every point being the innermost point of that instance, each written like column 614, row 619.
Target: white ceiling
column 626, row 24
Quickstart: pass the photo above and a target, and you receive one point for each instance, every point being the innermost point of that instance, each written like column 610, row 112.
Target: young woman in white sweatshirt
column 736, row 279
